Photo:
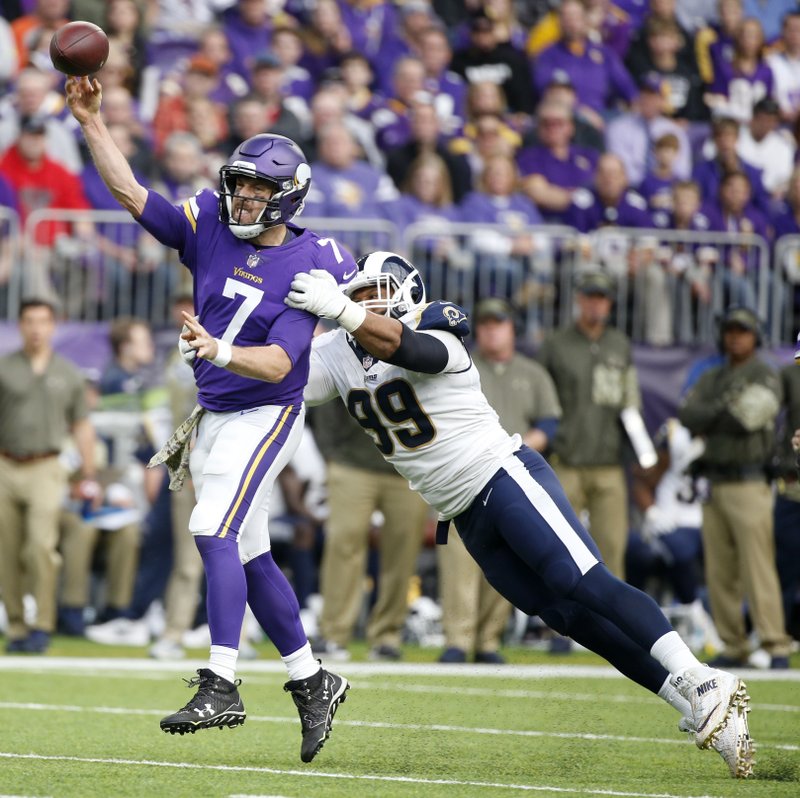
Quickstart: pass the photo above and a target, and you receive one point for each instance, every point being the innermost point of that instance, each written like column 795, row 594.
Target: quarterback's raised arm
column 379, row 333
column 84, row 98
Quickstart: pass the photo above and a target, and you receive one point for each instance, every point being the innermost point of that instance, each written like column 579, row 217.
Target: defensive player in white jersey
column 401, row 367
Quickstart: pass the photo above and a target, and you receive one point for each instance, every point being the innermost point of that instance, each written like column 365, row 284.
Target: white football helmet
column 400, row 287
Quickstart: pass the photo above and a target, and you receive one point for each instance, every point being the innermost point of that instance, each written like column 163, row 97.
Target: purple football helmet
column 280, row 162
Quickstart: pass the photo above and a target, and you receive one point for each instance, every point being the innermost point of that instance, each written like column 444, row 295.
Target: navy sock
column 629, row 609
column 601, row 636
column 226, row 589
column 274, row 604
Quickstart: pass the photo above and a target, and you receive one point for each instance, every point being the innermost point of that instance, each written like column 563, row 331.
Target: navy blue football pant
column 528, row 541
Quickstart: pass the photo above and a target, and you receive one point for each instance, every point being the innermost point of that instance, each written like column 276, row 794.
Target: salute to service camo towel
column 175, row 452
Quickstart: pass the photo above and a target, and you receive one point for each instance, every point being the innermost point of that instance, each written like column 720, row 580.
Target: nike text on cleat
column 317, row 699
column 215, row 704
column 720, row 705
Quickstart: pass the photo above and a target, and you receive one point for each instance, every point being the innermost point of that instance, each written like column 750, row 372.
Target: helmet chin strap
column 246, row 231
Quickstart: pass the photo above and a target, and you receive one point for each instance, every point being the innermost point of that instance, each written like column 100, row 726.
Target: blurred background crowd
column 625, row 168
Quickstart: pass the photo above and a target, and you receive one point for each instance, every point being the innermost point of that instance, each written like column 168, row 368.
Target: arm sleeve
column 292, row 331
column 165, row 222
column 429, row 352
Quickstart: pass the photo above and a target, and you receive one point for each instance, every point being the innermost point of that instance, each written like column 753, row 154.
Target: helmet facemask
column 399, row 285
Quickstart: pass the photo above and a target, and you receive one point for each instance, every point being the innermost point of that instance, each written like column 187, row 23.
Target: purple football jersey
column 239, row 290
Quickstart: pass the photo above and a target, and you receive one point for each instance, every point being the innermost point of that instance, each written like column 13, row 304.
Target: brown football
column 79, row 48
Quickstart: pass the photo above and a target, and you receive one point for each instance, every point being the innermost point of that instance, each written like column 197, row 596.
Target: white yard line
column 425, row 727
column 98, row 665
column 316, row 774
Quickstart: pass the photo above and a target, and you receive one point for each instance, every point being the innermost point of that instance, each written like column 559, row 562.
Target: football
column 79, row 48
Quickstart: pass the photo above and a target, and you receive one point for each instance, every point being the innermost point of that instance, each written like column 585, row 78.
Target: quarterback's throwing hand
column 196, row 337
column 317, row 292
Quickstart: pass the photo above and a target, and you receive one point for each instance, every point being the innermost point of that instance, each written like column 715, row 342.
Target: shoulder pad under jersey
column 443, row 316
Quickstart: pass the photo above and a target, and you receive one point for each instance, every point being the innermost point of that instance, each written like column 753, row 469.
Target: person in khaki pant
column 361, row 482
column 594, row 374
column 42, row 400
column 79, row 540
column 734, row 407
column 474, row 614
column 184, row 586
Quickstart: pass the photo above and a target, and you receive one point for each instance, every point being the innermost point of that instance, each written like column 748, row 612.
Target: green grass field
column 79, row 726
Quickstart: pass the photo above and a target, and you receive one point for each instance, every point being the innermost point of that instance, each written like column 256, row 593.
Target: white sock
column 673, row 653
column 301, row 664
column 674, row 698
column 223, row 661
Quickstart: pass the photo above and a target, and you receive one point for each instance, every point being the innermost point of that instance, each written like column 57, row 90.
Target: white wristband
column 352, row 317
column 224, row 353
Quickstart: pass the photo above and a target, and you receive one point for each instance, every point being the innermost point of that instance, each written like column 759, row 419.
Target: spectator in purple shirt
column 487, row 59
column 714, row 44
column 447, row 87
column 326, row 38
column 358, row 78
column 595, row 70
column 610, row 202
column 427, row 197
column 506, row 259
column 691, row 262
column 553, row 170
column 561, row 90
column 414, row 19
column 392, row 121
column 344, row 185
column 372, row 25
column 740, row 84
column 214, row 46
column 786, row 217
column 734, row 213
column 709, row 171
column 287, row 47
column 248, row 26
column 659, row 180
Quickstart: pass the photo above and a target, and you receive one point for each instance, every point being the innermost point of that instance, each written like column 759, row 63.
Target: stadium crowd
column 522, row 136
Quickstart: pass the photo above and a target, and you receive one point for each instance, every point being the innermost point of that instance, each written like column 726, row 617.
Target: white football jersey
column 675, row 493
column 437, row 430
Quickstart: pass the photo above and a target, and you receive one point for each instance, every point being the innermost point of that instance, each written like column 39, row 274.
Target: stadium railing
column 670, row 284
column 99, row 265
column 10, row 274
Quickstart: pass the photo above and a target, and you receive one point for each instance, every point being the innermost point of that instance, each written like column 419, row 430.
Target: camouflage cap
column 492, row 308
column 595, row 282
column 741, row 317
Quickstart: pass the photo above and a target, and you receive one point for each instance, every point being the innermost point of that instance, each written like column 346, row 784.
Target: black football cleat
column 317, row 699
column 215, row 704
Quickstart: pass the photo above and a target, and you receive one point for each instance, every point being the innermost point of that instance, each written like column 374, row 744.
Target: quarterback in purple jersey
column 251, row 360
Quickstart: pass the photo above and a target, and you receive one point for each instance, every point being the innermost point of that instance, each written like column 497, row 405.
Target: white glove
column 656, row 523
column 318, row 292
column 185, row 348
